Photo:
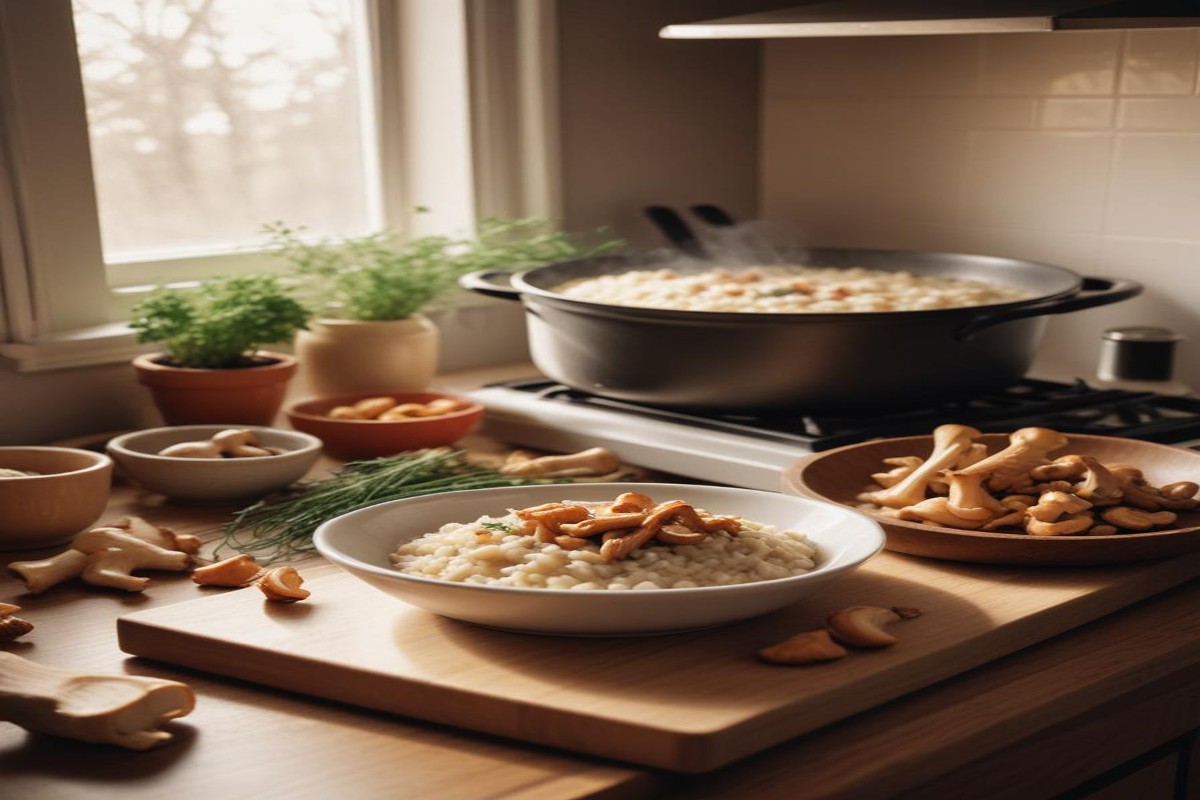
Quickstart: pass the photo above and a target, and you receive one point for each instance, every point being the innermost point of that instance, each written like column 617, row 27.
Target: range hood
column 914, row 17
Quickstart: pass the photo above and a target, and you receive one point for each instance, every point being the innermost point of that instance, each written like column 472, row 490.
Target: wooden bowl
column 374, row 438
column 840, row 475
column 67, row 494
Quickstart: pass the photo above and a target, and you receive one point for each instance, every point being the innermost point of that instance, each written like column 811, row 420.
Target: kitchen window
column 344, row 116
column 209, row 118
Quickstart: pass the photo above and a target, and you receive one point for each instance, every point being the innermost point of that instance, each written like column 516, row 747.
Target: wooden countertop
column 1032, row 724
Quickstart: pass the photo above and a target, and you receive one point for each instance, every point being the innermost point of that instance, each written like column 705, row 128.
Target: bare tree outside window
column 209, row 118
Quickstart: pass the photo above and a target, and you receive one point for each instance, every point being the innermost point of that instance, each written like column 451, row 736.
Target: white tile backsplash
column 1160, row 62
column 849, row 67
column 1159, row 114
column 1075, row 149
column 1155, row 190
column 1036, row 180
column 1045, row 64
column 1076, row 113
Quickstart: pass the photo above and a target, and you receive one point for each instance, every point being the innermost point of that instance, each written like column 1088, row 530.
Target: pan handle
column 490, row 282
column 678, row 232
column 1094, row 292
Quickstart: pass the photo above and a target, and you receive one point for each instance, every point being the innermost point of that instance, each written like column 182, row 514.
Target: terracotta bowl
column 840, row 475
column 203, row 480
column 47, row 509
column 369, row 438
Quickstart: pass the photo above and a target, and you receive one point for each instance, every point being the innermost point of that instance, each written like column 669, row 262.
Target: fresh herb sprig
column 383, row 276
column 278, row 530
column 220, row 324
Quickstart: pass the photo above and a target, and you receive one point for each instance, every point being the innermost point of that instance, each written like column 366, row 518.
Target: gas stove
column 751, row 450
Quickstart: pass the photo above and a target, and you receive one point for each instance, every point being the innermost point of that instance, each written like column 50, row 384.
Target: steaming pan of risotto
column 601, row 559
column 826, row 329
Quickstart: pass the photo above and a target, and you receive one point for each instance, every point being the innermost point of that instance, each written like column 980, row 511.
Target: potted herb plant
column 211, row 369
column 369, row 291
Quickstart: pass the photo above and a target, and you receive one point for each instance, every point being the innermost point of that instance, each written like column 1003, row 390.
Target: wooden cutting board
column 687, row 702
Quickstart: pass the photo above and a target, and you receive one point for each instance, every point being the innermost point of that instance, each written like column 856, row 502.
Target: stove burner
column 1068, row 407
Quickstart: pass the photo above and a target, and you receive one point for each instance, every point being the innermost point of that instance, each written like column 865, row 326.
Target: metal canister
column 1141, row 353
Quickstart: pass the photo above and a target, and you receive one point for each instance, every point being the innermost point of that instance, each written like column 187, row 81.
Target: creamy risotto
column 788, row 290
column 506, row 551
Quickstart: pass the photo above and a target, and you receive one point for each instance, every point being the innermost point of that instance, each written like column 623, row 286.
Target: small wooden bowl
column 374, row 438
column 840, row 475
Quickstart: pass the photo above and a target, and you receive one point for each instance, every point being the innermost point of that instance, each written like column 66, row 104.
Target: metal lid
column 1142, row 333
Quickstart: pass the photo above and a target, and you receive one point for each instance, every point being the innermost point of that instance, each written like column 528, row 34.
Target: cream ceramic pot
column 339, row 356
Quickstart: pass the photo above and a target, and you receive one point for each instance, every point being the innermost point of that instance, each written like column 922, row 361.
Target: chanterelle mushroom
column 593, row 461
column 1027, row 448
column 1099, row 485
column 949, row 444
column 969, row 500
column 125, row 710
column 937, row 510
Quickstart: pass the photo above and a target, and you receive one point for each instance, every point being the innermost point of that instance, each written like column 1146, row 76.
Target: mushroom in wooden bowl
column 1035, row 496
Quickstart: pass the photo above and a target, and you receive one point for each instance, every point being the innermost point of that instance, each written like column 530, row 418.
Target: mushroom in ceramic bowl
column 208, row 463
column 665, row 588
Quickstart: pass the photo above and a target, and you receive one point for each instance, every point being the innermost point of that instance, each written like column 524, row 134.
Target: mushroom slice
column 614, row 549
column 1027, row 448
column 901, row 468
column 1070, row 525
column 1051, row 506
column 1136, row 519
column 949, row 444
column 1099, row 485
column 969, row 500
column 1135, row 491
column 937, row 511
column 608, row 522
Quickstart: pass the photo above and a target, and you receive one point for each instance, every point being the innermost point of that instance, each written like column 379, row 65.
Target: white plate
column 360, row 543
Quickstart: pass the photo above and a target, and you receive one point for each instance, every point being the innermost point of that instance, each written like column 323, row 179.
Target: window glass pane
column 209, row 118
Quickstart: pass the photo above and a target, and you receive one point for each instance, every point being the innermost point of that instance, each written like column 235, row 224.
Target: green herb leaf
column 278, row 529
column 220, row 324
column 383, row 277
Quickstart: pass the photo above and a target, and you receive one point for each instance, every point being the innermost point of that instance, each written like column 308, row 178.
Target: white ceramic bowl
column 213, row 480
column 361, row 541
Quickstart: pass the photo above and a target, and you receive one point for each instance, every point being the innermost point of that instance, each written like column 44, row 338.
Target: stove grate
column 1069, row 407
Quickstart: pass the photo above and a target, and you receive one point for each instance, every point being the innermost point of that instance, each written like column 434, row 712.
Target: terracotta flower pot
column 247, row 395
column 343, row 356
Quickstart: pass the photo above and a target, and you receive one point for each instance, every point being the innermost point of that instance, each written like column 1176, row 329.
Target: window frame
column 465, row 157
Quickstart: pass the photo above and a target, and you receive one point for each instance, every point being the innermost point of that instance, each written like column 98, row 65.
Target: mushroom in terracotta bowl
column 214, row 463
column 377, row 424
column 49, row 494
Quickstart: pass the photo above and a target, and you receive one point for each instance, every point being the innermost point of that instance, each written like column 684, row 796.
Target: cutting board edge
column 187, row 650
column 1001, row 641
column 688, row 750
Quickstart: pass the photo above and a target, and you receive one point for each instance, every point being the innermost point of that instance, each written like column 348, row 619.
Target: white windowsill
column 84, row 347
column 474, row 330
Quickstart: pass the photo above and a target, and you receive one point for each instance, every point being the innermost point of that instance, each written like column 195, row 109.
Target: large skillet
column 848, row 362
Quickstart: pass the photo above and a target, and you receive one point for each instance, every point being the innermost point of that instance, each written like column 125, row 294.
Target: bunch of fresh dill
column 275, row 530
